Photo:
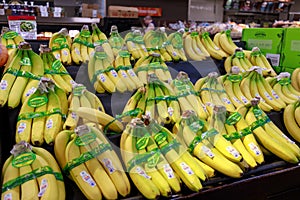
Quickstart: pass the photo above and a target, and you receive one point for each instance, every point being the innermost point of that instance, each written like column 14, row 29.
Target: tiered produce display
column 174, row 135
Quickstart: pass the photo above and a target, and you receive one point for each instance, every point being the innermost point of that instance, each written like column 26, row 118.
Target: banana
column 290, row 121
column 94, row 100
column 268, row 142
column 8, row 79
column 226, row 42
column 48, row 157
column 47, row 183
column 278, row 88
column 131, row 73
column 37, row 132
column 80, row 174
column 75, row 53
column 9, row 173
column 161, row 104
column 61, row 141
column 72, row 118
column 297, row 116
column 97, row 116
column 228, row 86
column 29, row 189
column 295, row 79
column 212, row 48
column 54, row 120
column 190, row 51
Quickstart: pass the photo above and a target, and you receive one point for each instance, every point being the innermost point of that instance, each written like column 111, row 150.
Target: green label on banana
column 124, row 54
column 235, row 78
column 177, row 41
column 233, row 118
column 37, row 101
column 239, row 54
column 25, row 61
column 142, row 142
column 85, row 139
column 138, row 39
column 260, row 122
column 56, row 65
column 23, row 159
column 160, row 137
column 10, row 35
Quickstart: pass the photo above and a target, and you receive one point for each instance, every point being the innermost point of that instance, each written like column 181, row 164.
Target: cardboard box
column 269, row 40
column 123, row 12
column 290, row 54
column 90, row 10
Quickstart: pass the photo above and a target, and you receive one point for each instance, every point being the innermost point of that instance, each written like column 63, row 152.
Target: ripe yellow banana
column 290, row 121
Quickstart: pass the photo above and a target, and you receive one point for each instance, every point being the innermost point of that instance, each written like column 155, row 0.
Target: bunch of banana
column 11, row 40
column 25, row 67
column 55, row 70
column 208, row 145
column 295, row 79
column 124, row 69
column 213, row 50
column 187, row 97
column 194, row 47
column 82, row 48
column 115, row 40
column 99, row 38
column 103, row 75
column 60, row 44
column 281, row 84
column 31, row 172
column 231, row 83
column 135, row 44
column 257, row 58
column 238, row 59
column 150, row 64
column 156, row 41
column 270, row 136
column 176, row 40
column 291, row 118
column 212, row 93
column 224, row 41
column 41, row 115
column 87, row 157
column 80, row 97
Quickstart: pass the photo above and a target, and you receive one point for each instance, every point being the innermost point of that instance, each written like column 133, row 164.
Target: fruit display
column 41, row 115
column 24, row 67
column 148, row 126
column 10, row 39
column 88, row 158
column 60, row 44
column 31, row 172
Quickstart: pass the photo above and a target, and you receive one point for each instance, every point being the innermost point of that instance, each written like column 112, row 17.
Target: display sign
column 26, row 26
column 144, row 11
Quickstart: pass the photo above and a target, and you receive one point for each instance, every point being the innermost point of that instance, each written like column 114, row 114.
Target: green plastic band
column 210, row 133
column 138, row 39
column 33, row 115
column 105, row 129
column 142, row 158
column 238, row 135
column 124, row 54
column 85, row 43
column 259, row 123
column 20, row 73
column 194, row 34
column 170, row 146
column 85, row 33
column 53, row 71
column 233, row 118
column 101, row 42
column 60, row 47
column 257, row 111
column 11, row 46
column 235, row 78
column 30, row 176
column 101, row 148
column 256, row 53
column 239, row 54
column 121, row 67
column 194, row 143
column 132, row 113
column 284, row 81
column 101, row 71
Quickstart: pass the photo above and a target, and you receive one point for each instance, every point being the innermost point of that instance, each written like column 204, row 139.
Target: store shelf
column 59, row 21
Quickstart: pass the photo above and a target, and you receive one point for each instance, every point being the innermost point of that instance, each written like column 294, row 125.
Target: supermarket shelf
column 55, row 21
